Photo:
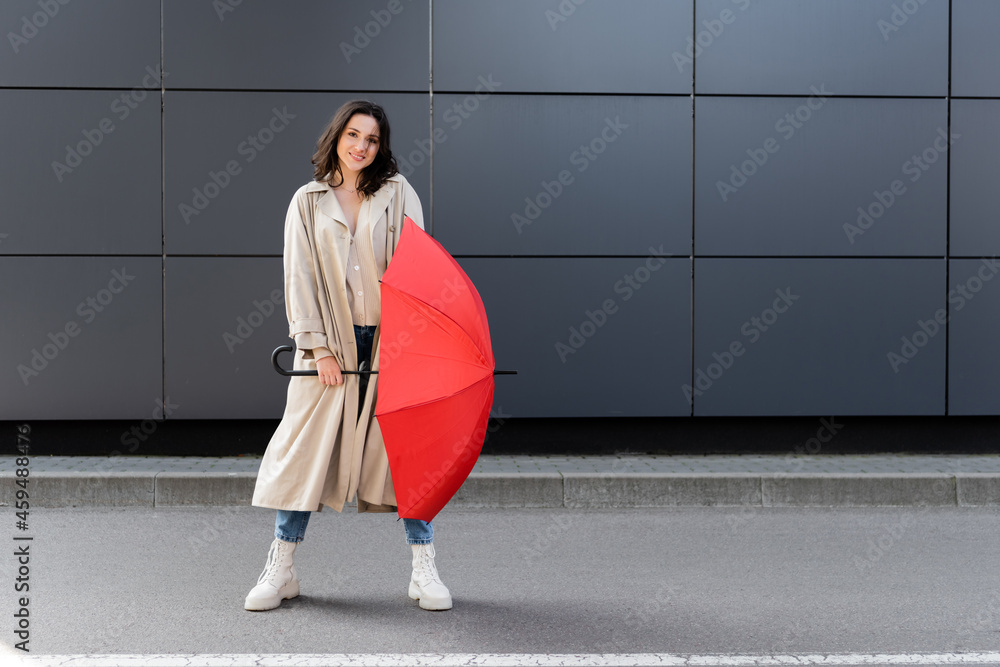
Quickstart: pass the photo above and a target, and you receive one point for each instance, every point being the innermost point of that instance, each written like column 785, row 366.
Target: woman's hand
column 329, row 371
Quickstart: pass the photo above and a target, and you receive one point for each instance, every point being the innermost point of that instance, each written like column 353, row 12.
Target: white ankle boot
column 425, row 584
column 277, row 582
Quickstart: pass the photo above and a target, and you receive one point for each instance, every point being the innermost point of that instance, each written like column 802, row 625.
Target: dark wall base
column 759, row 435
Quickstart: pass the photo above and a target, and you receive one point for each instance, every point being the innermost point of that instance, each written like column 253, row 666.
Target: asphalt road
column 689, row 580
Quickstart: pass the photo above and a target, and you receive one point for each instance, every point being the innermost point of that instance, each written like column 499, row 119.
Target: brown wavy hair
column 325, row 159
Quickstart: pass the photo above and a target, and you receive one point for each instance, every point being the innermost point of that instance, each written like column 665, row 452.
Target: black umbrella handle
column 288, row 348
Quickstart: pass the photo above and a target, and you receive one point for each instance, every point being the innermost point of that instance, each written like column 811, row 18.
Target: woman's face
column 358, row 144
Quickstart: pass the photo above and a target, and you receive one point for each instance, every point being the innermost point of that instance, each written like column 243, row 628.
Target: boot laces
column 275, row 556
column 425, row 566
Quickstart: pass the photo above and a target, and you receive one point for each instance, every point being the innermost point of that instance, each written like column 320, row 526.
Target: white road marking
column 500, row 660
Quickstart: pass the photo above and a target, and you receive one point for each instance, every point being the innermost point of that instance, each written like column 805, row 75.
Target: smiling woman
column 354, row 127
column 340, row 234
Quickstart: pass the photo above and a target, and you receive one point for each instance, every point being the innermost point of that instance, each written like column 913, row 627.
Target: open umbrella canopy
column 435, row 374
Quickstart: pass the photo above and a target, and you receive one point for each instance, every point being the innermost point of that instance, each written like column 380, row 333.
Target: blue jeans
column 290, row 525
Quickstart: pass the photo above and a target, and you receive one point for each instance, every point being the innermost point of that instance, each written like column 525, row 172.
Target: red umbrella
column 436, row 371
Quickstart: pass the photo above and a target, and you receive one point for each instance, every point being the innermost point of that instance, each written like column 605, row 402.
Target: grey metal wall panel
column 234, row 160
column 588, row 337
column 96, row 43
column 306, row 45
column 855, row 47
column 224, row 317
column 787, row 176
column 781, row 337
column 539, row 174
column 974, row 48
column 975, row 171
column 973, row 364
column 83, row 337
column 83, row 172
column 525, row 183
column 560, row 47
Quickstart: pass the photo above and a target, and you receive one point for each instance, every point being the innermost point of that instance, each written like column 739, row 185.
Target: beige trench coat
column 318, row 455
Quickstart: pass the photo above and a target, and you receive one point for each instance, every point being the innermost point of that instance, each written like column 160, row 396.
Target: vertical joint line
column 163, row 222
column 694, row 62
column 430, row 99
column 947, row 228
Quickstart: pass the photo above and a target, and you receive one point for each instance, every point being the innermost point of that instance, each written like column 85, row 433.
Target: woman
column 340, row 233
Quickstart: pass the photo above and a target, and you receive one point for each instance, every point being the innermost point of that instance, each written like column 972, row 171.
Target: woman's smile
column 359, row 143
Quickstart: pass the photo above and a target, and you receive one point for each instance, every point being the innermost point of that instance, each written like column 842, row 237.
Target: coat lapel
column 374, row 208
column 328, row 204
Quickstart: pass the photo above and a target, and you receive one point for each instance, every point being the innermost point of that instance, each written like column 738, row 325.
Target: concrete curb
column 587, row 490
column 188, row 489
column 845, row 490
column 541, row 490
column 82, row 489
column 978, row 489
column 510, row 490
